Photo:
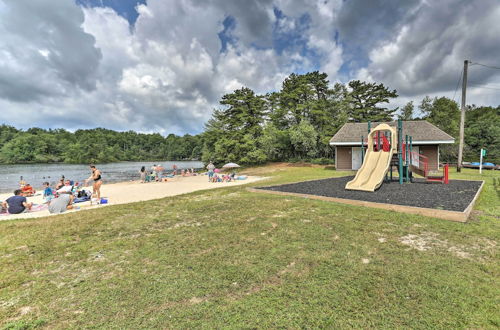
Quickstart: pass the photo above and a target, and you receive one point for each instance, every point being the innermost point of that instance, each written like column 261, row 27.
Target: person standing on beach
column 210, row 168
column 174, row 169
column 97, row 178
column 159, row 172
column 143, row 174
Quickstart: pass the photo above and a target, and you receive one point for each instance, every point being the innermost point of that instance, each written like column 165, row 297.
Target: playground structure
column 385, row 149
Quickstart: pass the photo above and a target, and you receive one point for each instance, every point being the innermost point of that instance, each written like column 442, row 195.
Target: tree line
column 99, row 145
column 295, row 123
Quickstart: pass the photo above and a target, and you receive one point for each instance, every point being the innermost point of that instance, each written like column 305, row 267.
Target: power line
column 458, row 83
column 484, row 87
column 486, row 66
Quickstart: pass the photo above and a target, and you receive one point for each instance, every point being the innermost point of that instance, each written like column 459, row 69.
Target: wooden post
column 462, row 117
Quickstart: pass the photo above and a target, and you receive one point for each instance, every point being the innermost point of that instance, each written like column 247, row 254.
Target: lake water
column 36, row 174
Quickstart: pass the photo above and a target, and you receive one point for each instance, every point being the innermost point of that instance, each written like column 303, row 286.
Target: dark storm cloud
column 364, row 23
column 44, row 50
column 427, row 54
column 254, row 18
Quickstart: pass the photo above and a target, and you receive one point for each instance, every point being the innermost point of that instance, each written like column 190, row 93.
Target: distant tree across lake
column 99, row 145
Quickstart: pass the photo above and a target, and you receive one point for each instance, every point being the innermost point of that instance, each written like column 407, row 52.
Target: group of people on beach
column 66, row 192
column 156, row 173
column 58, row 199
column 214, row 176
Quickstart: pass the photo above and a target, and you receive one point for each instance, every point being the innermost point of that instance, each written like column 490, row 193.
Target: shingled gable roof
column 421, row 131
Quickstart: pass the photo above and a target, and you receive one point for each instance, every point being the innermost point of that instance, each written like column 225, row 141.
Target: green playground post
column 369, row 126
column 400, row 151
column 411, row 147
column 407, row 152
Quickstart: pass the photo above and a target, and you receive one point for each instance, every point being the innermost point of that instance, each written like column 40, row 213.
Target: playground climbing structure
column 385, row 150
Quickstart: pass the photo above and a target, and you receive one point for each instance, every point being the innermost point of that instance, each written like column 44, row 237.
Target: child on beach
column 48, row 193
column 210, row 168
column 27, row 190
column 143, row 174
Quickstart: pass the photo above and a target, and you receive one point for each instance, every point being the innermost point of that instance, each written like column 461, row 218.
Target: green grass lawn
column 235, row 259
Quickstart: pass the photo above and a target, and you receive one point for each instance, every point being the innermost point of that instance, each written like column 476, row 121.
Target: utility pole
column 462, row 117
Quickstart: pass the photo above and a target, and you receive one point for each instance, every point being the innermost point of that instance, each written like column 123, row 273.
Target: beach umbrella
column 216, row 170
column 230, row 165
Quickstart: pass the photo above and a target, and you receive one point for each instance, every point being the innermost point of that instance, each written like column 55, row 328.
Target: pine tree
column 365, row 99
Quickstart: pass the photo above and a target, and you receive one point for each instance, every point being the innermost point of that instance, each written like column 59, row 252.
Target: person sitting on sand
column 66, row 189
column 62, row 203
column 17, row 204
column 27, row 190
column 48, row 193
column 60, row 184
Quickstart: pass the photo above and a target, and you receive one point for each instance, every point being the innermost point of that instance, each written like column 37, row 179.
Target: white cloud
column 425, row 56
column 62, row 65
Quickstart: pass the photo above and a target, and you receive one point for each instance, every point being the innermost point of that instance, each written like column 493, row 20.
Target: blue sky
column 163, row 65
column 124, row 8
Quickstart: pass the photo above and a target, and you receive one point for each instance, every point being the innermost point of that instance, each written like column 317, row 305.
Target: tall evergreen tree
column 365, row 99
column 233, row 132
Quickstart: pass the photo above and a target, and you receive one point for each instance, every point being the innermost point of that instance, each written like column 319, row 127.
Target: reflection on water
column 36, row 174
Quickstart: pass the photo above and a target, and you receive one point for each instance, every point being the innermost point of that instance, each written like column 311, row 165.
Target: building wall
column 432, row 154
column 343, row 158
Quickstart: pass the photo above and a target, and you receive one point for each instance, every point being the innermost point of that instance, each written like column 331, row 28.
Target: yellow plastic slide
column 376, row 163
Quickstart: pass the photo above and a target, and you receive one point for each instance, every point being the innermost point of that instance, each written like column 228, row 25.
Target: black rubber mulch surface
column 455, row 196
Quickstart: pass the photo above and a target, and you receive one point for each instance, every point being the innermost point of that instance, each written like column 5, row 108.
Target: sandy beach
column 134, row 191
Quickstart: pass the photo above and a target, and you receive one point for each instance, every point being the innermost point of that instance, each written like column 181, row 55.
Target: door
column 356, row 158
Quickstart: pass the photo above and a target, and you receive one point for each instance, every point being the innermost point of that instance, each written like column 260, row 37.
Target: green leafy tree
column 304, row 140
column 444, row 113
column 233, row 132
column 482, row 130
column 407, row 111
column 37, row 145
column 366, row 99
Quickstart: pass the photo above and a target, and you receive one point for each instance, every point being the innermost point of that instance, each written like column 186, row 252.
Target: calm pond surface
column 36, row 174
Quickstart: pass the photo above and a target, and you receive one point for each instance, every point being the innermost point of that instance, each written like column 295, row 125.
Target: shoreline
column 135, row 191
column 124, row 171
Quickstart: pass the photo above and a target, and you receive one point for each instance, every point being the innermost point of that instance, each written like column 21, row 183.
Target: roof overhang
column 358, row 143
